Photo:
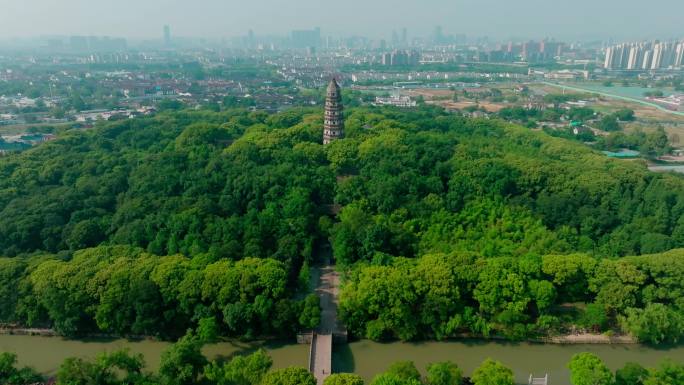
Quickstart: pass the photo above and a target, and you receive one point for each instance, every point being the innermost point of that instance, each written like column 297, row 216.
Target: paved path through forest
column 321, row 349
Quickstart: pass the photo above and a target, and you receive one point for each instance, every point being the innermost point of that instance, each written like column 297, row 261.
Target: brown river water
column 365, row 358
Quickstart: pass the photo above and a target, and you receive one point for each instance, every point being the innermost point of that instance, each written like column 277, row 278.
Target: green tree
column 393, row 379
column 117, row 368
column 656, row 143
column 609, row 123
column 311, row 313
column 183, row 362
column 492, row 373
column 208, row 330
column 76, row 371
column 655, row 324
column 241, row 370
column 343, row 379
column 444, row 373
column 405, row 370
column 289, row 376
column 11, row 375
column 588, row 369
column 667, row 374
column 594, row 317
column 625, row 114
column 631, row 374
column 169, row 104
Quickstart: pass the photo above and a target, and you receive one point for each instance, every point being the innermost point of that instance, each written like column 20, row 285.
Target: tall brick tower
column 333, row 127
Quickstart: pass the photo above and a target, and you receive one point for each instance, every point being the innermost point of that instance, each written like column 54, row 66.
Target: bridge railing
column 312, row 352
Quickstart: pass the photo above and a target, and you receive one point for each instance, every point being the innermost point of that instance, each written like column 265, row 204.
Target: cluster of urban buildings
column 530, row 51
column 400, row 58
column 88, row 44
column 645, row 56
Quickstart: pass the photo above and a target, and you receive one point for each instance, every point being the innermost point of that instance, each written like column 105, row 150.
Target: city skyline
column 497, row 19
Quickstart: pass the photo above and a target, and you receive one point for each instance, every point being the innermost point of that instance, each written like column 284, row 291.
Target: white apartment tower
column 679, row 55
column 645, row 56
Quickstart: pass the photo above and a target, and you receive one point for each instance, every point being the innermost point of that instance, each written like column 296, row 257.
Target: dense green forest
column 184, row 364
column 444, row 295
column 210, row 219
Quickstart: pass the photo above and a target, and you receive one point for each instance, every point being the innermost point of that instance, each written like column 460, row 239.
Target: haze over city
column 341, row 192
column 499, row 19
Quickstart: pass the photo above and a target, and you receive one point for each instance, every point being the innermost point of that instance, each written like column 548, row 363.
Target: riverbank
column 591, row 339
column 46, row 332
column 28, row 331
column 568, row 339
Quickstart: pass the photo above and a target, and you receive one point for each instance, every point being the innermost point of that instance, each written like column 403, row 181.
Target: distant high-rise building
column 548, row 50
column 668, row 59
column 438, row 35
column 386, row 59
column 78, row 43
column 646, row 64
column 383, row 44
column 306, row 38
column 395, row 39
column 513, row 50
column 251, row 39
column 658, row 52
column 97, row 44
column 530, row 51
column 401, row 58
column 636, row 56
column 404, row 37
column 167, row 35
column 679, row 55
column 608, row 61
column 617, row 57
column 55, row 44
column 461, row 38
column 414, row 58
column 333, row 125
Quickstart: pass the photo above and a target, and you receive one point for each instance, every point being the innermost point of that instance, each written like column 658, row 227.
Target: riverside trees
column 183, row 363
column 444, row 295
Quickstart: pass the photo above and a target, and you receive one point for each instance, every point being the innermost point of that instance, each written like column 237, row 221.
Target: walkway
column 321, row 345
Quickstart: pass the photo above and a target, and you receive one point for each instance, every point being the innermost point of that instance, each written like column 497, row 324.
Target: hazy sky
column 376, row 18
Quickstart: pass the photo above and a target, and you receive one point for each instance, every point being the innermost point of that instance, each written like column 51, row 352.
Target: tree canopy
column 211, row 219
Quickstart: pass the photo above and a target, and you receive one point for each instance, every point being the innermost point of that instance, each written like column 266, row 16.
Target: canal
column 365, row 358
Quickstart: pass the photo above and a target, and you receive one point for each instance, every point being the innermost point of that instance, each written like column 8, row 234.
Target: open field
column 459, row 105
column 429, row 93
